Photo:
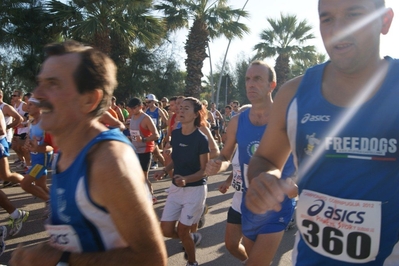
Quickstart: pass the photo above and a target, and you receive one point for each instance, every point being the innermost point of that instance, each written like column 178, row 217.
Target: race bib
column 64, row 237
column 237, row 180
column 342, row 229
column 134, row 134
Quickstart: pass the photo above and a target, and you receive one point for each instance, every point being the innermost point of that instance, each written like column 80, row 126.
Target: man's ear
column 387, row 21
column 90, row 100
column 273, row 85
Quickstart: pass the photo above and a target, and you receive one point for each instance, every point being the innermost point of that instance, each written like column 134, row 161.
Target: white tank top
column 8, row 119
column 21, row 130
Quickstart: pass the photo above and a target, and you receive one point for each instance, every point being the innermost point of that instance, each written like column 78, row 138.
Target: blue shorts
column 37, row 171
column 267, row 223
column 40, row 162
column 4, row 148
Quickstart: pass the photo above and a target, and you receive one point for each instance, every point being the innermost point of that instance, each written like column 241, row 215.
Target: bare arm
column 117, row 185
column 2, row 124
column 128, row 205
column 17, row 118
column 163, row 115
column 224, row 186
column 120, row 114
column 266, row 191
column 108, row 119
column 222, row 162
column 211, row 118
column 149, row 124
column 213, row 147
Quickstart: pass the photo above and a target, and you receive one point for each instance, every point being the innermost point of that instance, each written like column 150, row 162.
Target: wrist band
column 65, row 256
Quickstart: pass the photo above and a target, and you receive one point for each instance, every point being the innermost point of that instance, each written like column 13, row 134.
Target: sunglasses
column 14, row 95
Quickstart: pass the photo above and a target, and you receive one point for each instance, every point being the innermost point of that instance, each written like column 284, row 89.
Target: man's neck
column 36, row 118
column 342, row 89
column 138, row 114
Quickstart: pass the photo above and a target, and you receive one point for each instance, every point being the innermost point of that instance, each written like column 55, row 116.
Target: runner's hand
column 180, row 181
column 266, row 192
column 224, row 187
column 158, row 175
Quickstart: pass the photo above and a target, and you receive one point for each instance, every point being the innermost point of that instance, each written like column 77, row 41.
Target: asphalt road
column 210, row 252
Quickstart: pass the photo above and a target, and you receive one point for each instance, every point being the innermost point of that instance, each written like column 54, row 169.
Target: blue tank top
column 248, row 137
column 348, row 177
column 37, row 133
column 154, row 116
column 76, row 223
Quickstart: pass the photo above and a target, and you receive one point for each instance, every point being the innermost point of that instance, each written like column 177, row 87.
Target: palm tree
column 299, row 66
column 286, row 39
column 209, row 20
column 109, row 25
column 25, row 29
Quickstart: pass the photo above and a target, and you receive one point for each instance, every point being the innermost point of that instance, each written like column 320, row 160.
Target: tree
column 9, row 82
column 286, row 39
column 210, row 19
column 109, row 25
column 299, row 66
column 20, row 22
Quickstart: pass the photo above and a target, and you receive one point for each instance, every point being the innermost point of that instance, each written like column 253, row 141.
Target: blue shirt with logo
column 348, row 173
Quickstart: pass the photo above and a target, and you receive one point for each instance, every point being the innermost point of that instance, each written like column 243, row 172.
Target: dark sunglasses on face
column 14, row 95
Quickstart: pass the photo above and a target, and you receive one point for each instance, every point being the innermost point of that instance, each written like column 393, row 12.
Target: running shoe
column 154, row 165
column 16, row 224
column 290, row 225
column 7, row 184
column 3, row 235
column 192, row 264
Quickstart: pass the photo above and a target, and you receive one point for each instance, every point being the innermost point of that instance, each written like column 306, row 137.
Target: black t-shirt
column 186, row 151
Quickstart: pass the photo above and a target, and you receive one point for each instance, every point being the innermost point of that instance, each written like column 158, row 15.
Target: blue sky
column 261, row 9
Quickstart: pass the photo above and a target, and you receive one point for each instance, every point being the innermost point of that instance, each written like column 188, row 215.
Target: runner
column 101, row 209
column 340, row 120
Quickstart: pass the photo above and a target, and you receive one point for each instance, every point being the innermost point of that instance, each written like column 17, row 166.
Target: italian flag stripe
column 338, row 156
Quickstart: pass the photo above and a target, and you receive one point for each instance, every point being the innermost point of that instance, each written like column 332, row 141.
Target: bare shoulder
column 112, row 168
column 288, row 89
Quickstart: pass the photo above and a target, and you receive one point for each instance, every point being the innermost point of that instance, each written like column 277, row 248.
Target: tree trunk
column 282, row 69
column 196, row 54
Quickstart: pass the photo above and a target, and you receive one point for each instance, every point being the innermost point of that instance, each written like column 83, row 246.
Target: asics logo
column 315, row 118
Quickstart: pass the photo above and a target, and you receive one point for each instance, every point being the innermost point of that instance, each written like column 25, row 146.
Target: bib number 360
column 342, row 229
column 332, row 241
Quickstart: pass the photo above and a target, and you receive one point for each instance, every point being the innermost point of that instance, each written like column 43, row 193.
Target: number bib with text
column 64, row 237
column 134, row 134
column 342, row 229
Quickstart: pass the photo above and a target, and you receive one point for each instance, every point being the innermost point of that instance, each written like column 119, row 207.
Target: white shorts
column 184, row 204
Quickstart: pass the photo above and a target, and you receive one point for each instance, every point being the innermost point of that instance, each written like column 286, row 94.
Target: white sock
column 15, row 214
column 244, row 261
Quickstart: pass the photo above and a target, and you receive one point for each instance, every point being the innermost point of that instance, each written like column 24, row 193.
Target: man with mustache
column 101, row 209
